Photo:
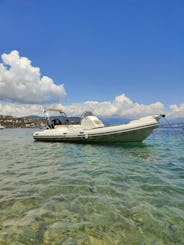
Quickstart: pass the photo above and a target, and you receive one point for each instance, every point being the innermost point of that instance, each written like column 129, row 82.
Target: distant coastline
column 38, row 122
column 21, row 122
column 172, row 125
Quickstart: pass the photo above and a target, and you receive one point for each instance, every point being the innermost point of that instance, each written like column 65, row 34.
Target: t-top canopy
column 53, row 109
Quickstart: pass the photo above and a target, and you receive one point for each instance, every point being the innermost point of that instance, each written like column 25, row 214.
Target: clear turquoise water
column 56, row 193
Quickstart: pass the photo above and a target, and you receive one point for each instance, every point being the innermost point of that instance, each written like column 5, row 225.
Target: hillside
column 20, row 122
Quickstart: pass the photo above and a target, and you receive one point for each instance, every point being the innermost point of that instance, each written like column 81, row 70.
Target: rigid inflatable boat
column 91, row 130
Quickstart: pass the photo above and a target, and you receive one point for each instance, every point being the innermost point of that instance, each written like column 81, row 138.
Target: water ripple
column 56, row 193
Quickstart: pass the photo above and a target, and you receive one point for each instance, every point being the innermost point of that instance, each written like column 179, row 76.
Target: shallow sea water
column 77, row 194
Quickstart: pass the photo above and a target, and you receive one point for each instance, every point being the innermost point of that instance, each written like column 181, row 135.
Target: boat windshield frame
column 50, row 121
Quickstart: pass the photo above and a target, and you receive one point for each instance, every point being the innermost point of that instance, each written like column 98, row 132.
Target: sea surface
column 77, row 194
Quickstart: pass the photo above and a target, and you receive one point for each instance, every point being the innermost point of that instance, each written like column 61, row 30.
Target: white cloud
column 123, row 99
column 19, row 110
column 114, row 108
column 23, row 91
column 121, row 106
column 21, row 82
column 177, row 111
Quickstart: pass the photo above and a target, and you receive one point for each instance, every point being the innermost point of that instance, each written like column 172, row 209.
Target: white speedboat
column 1, row 127
column 92, row 130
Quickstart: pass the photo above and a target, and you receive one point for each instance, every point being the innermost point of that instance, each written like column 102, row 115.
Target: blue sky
column 101, row 49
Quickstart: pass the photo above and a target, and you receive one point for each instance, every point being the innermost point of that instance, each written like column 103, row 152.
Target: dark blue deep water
column 76, row 194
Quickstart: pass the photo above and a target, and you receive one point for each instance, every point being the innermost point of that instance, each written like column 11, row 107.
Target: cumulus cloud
column 21, row 82
column 177, row 111
column 23, row 91
column 20, row 110
column 121, row 106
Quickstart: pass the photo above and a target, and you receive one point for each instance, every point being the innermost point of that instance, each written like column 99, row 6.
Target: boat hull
column 114, row 135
